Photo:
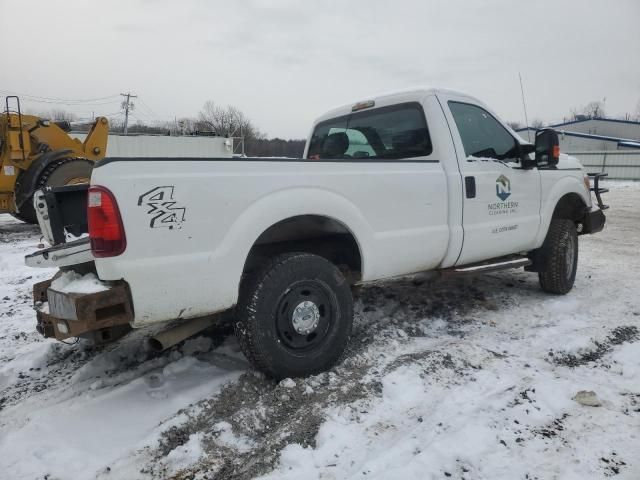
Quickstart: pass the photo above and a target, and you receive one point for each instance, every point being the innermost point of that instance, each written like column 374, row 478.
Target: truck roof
column 390, row 98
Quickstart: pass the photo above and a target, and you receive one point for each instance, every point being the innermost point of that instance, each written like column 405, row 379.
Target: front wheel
column 558, row 257
column 294, row 315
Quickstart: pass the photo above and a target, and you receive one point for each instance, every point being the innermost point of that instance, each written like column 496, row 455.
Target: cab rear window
column 394, row 132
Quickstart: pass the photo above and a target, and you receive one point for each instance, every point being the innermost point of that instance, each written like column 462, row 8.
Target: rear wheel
column 558, row 257
column 294, row 315
column 58, row 174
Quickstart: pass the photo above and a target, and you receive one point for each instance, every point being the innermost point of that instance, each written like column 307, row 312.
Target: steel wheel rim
column 305, row 297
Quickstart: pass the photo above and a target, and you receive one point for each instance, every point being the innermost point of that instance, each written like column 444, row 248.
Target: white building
column 601, row 134
column 165, row 146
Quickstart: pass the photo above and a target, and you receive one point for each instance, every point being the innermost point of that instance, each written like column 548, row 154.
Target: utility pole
column 127, row 105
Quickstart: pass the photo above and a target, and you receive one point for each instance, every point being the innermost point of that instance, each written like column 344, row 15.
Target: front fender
column 552, row 195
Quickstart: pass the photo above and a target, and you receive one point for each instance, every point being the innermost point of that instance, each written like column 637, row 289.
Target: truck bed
column 188, row 220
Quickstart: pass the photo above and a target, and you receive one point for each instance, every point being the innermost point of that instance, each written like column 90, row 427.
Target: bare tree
column 58, row 115
column 226, row 121
column 116, row 125
column 537, row 123
column 186, row 126
column 593, row 109
column 515, row 125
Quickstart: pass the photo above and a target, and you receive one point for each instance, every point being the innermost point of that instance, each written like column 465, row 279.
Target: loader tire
column 60, row 173
column 558, row 257
column 294, row 315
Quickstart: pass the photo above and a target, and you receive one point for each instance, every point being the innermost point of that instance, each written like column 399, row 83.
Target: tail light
column 106, row 231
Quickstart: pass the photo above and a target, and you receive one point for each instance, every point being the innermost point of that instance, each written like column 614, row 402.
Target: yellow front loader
column 37, row 153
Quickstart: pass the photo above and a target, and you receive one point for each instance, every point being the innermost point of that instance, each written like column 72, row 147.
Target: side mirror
column 547, row 148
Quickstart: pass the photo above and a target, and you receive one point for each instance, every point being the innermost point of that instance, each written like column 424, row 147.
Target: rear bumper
column 102, row 315
column 594, row 221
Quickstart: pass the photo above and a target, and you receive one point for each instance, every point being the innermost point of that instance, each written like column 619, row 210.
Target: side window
column 482, row 135
column 398, row 131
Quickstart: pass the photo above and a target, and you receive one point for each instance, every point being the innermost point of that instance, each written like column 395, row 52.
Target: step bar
column 495, row 265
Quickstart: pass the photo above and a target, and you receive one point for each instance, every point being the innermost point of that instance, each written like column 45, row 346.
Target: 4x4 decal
column 162, row 208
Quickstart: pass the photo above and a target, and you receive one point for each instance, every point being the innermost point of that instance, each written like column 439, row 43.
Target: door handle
column 470, row 187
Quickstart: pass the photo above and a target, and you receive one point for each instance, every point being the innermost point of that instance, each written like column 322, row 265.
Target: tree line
column 212, row 120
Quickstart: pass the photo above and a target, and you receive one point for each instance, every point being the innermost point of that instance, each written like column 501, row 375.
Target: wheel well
column 571, row 206
column 315, row 234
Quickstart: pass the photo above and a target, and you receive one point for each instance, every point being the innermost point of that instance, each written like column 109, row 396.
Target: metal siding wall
column 604, row 128
column 620, row 165
column 570, row 143
column 164, row 146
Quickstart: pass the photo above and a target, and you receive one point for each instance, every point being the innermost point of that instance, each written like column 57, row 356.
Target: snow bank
column 90, row 431
column 185, row 455
column 72, row 282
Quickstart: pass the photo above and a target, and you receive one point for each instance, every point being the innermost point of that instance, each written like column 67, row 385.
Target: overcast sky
column 284, row 62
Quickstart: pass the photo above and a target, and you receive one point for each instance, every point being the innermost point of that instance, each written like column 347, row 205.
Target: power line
column 70, row 104
column 143, row 113
column 64, row 101
column 149, row 109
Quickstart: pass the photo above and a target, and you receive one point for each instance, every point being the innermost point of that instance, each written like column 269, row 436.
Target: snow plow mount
column 597, row 190
column 102, row 316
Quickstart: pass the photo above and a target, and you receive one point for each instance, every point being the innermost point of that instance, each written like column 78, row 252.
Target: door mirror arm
column 525, row 149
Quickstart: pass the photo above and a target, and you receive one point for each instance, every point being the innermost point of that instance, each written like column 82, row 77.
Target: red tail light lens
column 106, row 231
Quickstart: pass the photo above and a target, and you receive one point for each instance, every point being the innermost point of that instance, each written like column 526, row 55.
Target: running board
column 495, row 265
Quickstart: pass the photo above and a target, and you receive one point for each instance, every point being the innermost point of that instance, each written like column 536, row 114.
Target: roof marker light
column 363, row 105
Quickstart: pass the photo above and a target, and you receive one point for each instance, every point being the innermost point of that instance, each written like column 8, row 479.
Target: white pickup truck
column 422, row 180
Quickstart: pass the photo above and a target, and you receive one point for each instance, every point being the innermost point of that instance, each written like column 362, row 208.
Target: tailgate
column 62, row 216
column 62, row 212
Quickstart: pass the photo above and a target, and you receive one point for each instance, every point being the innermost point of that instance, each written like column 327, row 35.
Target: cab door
column 501, row 199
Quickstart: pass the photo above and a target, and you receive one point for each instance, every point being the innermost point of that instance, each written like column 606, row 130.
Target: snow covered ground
column 470, row 379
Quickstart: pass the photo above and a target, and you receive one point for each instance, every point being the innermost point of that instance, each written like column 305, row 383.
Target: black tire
column 558, row 257
column 57, row 174
column 273, row 299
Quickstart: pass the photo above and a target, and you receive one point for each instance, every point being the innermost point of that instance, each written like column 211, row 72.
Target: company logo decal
column 503, row 191
column 162, row 208
column 503, row 187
